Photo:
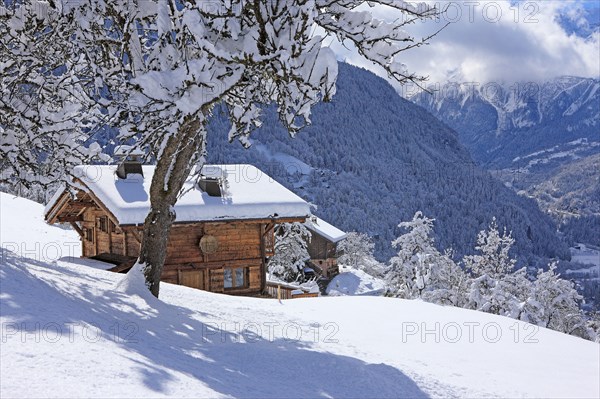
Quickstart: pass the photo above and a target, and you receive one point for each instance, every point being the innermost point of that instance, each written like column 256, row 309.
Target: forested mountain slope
column 371, row 159
column 539, row 138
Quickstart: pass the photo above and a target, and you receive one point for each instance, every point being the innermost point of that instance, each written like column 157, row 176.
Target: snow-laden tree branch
column 155, row 70
column 45, row 108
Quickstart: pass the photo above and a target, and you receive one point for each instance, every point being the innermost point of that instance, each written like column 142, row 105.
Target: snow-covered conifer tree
column 291, row 251
column 413, row 267
column 488, row 292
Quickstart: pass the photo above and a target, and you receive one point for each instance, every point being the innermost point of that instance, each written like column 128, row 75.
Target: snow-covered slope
column 67, row 331
column 23, row 231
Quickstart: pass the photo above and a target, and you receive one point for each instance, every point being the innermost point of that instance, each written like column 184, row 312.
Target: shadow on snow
column 169, row 339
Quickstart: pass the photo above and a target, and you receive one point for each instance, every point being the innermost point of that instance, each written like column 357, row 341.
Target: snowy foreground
column 70, row 330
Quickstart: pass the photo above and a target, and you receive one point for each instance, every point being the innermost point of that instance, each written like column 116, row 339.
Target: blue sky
column 503, row 41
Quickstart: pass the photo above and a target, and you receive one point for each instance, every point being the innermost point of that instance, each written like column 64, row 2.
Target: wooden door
column 192, row 278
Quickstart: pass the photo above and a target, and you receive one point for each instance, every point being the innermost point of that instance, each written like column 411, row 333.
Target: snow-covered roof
column 248, row 193
column 326, row 230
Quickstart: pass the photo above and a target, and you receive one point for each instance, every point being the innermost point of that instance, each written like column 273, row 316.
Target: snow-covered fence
column 285, row 291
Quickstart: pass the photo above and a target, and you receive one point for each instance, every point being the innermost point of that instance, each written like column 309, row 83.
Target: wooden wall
column 321, row 248
column 239, row 246
column 323, row 255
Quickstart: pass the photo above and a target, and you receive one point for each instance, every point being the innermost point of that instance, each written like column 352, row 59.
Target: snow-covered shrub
column 291, row 253
column 357, row 252
column 558, row 302
column 451, row 285
column 494, row 259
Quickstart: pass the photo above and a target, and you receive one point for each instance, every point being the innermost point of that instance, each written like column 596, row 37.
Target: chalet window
column 89, row 235
column 102, row 224
column 227, row 278
column 235, row 277
column 239, row 280
column 113, row 227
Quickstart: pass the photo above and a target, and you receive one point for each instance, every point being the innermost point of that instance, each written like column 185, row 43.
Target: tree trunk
column 172, row 169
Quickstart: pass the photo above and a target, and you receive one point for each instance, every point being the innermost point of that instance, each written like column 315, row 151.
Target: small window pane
column 239, row 277
column 227, row 278
column 102, row 223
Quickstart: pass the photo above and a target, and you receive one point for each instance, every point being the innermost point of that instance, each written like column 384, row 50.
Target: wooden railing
column 284, row 291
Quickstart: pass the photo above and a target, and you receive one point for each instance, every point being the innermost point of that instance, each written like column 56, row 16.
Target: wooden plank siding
column 240, row 244
column 284, row 291
column 323, row 256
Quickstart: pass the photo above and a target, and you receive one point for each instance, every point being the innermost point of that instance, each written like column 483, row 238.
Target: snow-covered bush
column 494, row 259
column 451, row 285
column 291, row 251
column 558, row 302
column 357, row 252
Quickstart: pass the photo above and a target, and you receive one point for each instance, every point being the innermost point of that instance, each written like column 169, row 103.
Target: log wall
column 238, row 247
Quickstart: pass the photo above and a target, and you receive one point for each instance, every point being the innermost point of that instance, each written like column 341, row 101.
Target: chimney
column 210, row 181
column 130, row 161
column 210, row 185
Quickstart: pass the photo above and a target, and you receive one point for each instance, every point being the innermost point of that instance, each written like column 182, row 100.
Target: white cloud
column 498, row 41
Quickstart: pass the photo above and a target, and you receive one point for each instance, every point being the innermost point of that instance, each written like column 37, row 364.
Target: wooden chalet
column 322, row 247
column 222, row 235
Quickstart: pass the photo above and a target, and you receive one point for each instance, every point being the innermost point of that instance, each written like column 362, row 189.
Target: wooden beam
column 77, row 206
column 136, row 236
column 77, row 229
column 263, row 262
column 69, row 219
column 185, row 264
column 109, row 224
column 227, row 221
column 268, row 228
column 95, row 235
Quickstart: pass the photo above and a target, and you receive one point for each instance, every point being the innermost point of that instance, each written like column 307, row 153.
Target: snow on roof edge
column 55, row 197
column 254, row 196
column 327, row 230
